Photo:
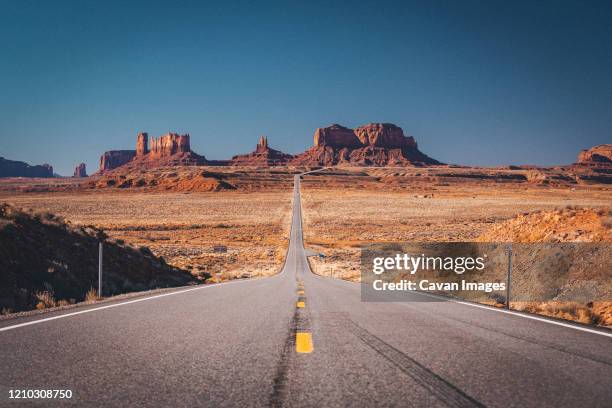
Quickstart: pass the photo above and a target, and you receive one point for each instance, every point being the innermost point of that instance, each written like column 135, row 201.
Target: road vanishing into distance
column 299, row 339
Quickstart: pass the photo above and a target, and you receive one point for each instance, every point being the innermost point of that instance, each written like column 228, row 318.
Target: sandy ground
column 184, row 228
column 338, row 221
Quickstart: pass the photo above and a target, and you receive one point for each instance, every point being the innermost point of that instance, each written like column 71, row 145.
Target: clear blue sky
column 476, row 82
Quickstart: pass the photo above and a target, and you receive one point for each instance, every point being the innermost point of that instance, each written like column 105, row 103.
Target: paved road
column 235, row 344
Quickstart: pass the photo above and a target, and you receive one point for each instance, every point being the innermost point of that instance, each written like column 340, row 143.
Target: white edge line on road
column 513, row 313
column 495, row 309
column 120, row 304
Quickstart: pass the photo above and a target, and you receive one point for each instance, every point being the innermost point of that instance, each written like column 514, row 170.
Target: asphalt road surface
column 247, row 343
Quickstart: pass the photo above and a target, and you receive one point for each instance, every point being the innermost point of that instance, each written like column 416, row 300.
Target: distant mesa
column 263, row 156
column 13, row 168
column 374, row 144
column 171, row 149
column 80, row 170
column 600, row 155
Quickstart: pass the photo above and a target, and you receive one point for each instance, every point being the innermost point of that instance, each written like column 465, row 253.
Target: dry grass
column 45, row 300
column 91, row 296
column 592, row 313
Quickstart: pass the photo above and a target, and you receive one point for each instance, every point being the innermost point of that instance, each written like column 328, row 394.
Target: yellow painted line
column 300, row 292
column 303, row 342
column 301, row 304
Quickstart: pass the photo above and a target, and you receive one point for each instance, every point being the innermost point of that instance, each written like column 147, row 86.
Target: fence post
column 509, row 281
column 100, row 270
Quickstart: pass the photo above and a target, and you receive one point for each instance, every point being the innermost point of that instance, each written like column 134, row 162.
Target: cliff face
column 170, row 149
column 142, row 144
column 80, row 170
column 13, row 168
column 598, row 155
column 115, row 158
column 374, row 144
column 263, row 156
column 384, row 135
column 336, row 136
column 168, row 145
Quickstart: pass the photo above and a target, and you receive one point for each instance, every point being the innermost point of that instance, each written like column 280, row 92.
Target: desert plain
column 239, row 227
column 224, row 235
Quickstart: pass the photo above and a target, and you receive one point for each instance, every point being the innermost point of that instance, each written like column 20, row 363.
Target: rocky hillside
column 46, row 262
column 596, row 156
column 374, row 144
column 572, row 283
column 565, row 225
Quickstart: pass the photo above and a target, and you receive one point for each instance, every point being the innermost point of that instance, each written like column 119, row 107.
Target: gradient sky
column 476, row 82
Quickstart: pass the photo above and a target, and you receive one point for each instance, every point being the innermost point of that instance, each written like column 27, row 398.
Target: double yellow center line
column 303, row 336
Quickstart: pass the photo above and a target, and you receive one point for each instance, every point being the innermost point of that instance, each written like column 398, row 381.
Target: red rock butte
column 374, row 144
column 171, row 149
column 263, row 156
column 80, row 170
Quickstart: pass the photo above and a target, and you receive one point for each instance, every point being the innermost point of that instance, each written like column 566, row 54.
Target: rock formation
column 262, row 145
column 170, row 149
column 384, row 135
column 80, row 170
column 263, row 156
column 374, row 144
column 168, row 145
column 600, row 155
column 114, row 158
column 338, row 136
column 13, row 168
column 142, row 144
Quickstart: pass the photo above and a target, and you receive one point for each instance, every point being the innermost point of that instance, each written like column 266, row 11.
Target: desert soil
column 338, row 221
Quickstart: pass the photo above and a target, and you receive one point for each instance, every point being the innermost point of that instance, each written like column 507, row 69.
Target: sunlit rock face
column 374, row 144
column 598, row 155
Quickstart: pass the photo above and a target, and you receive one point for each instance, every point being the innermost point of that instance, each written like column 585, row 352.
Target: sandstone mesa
column 13, row 168
column 171, row 149
column 374, row 144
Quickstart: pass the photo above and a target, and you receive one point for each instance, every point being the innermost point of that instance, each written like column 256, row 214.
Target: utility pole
column 509, row 276
column 100, row 269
